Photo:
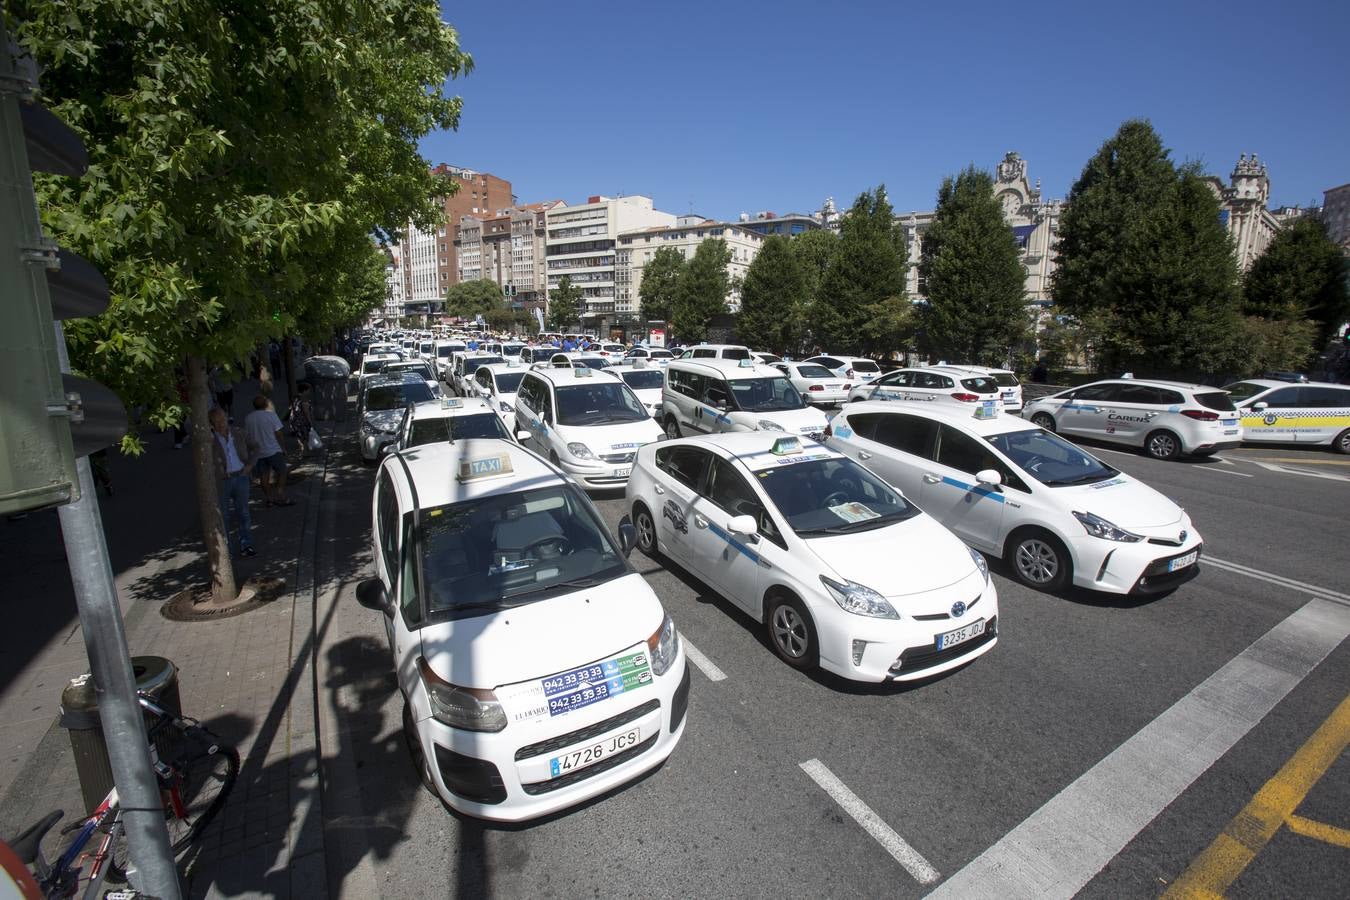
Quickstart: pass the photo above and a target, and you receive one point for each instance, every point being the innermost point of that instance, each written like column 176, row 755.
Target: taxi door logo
column 673, row 512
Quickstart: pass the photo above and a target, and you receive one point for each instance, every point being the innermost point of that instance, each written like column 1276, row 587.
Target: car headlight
column 472, row 709
column 664, row 645
column 767, row 425
column 859, row 599
column 580, row 451
column 1100, row 528
column 980, row 563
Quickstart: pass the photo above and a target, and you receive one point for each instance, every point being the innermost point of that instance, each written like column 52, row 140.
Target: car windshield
column 512, row 349
column 506, row 550
column 444, row 428
column 598, row 403
column 832, row 496
column 662, row 354
column 735, row 353
column 814, row 371
column 397, row 396
column 1244, row 390
column 642, row 379
column 508, row 382
column 765, row 394
column 444, row 352
column 591, row 362
column 472, row 363
column 422, row 369
column 1050, row 459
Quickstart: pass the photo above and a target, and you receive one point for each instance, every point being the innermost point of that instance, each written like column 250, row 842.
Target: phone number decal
column 567, row 691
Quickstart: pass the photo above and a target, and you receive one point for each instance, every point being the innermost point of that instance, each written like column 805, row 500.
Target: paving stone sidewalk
column 249, row 678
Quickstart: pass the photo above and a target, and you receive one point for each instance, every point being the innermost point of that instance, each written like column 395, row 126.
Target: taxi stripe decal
column 974, row 489
column 719, row 417
column 738, row 546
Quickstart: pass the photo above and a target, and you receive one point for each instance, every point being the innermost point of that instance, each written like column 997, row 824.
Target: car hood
column 906, row 558
column 793, row 421
column 387, row 419
column 526, row 642
column 608, row 438
column 1122, row 501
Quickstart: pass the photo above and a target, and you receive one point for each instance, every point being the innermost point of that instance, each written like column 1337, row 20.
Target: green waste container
column 157, row 677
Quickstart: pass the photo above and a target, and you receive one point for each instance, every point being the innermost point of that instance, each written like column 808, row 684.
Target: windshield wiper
column 1081, row 479
column 865, row 525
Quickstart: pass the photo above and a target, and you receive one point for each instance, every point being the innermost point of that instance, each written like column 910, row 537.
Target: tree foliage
column 468, row 299
column 773, row 299
column 701, row 292
column 814, row 250
column 564, row 305
column 867, row 267
column 976, row 309
column 660, row 282
column 1301, row 276
column 1142, row 249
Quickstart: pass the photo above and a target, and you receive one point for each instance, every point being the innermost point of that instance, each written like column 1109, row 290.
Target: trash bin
column 330, row 376
column 157, row 677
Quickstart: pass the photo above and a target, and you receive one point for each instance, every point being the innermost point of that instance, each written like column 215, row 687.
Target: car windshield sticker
column 760, row 461
column 853, row 511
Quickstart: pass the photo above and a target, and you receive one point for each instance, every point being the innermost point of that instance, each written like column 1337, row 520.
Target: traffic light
column 47, row 419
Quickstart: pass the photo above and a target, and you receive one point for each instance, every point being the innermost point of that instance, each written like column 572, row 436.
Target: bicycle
column 193, row 787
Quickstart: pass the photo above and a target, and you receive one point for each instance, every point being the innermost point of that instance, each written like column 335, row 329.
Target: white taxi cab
column 448, row 419
column 588, row 424
column 538, row 669
column 717, row 395
column 646, row 382
column 497, row 384
column 841, row 570
column 1054, row 512
column 936, row 385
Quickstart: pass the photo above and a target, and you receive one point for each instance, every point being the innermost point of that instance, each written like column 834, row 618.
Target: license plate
column 1010, row 395
column 833, row 387
column 960, row 635
column 1230, row 431
column 589, row 756
column 1228, row 421
column 622, row 473
column 987, row 410
column 1182, row 562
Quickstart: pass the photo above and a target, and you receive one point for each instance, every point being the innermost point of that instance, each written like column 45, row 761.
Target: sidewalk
column 249, row 678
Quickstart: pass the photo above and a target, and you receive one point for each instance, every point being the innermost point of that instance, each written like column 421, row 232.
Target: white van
column 708, row 396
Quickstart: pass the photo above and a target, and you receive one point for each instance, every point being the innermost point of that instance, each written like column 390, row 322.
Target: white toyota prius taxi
column 840, row 569
column 538, row 669
column 1054, row 512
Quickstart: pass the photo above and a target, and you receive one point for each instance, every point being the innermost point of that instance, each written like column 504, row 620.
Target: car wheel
column 1342, row 442
column 646, row 530
column 672, row 428
column 1039, row 560
column 1044, row 420
column 1162, row 445
column 791, row 632
column 419, row 758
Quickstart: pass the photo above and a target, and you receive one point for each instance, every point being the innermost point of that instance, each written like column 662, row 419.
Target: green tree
column 468, row 299
column 976, row 308
column 240, row 156
column 701, row 292
column 867, row 267
column 814, row 250
column 1302, row 275
column 1143, row 256
column 564, row 305
column 773, row 299
column 660, row 281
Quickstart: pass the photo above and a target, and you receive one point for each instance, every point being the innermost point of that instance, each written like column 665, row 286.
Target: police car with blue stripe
column 1008, row 487
column 841, row 570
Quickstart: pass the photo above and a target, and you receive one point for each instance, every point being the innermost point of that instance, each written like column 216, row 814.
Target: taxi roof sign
column 786, row 445
column 581, row 371
column 747, row 363
column 485, row 467
column 451, row 403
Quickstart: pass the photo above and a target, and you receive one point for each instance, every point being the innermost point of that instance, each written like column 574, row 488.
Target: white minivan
column 706, row 396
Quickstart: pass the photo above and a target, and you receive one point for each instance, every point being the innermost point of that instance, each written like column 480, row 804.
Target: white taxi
column 538, row 669
column 645, row 381
column 588, row 424
column 817, row 384
column 497, row 384
column 720, row 395
column 937, row 385
column 1055, row 513
column 841, row 570
column 448, row 419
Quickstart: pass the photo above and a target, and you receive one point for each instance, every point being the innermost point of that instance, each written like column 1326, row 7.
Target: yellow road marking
column 1321, row 831
column 1213, row 871
column 1298, row 460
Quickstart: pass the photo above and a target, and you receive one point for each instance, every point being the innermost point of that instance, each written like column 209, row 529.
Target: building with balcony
column 1336, row 215
column 636, row 248
column 393, row 283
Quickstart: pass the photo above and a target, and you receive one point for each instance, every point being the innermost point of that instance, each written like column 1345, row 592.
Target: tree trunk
column 223, row 587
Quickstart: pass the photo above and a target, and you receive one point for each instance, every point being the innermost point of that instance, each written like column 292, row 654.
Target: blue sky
column 736, row 107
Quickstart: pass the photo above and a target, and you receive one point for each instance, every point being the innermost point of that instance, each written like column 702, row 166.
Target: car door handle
column 932, row 479
column 700, row 521
column 863, row 454
column 660, row 490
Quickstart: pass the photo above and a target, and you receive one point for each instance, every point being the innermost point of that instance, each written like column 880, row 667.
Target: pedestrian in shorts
column 265, row 435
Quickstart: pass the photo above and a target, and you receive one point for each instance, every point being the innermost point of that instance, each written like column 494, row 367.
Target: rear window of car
column 1216, row 400
column 1005, row 379
column 980, row 384
column 814, row 372
column 1243, row 390
column 864, row 365
column 735, row 353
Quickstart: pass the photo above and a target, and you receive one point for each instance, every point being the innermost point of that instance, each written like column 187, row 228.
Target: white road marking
column 705, row 665
column 1260, row 575
column 1290, row 470
column 1215, row 471
column 1060, row 848
column 872, row 823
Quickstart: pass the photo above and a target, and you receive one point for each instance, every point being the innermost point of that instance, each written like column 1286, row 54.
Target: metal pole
column 153, row 871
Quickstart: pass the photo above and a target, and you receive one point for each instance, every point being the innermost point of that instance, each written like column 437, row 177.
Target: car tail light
column 1200, row 415
column 966, row 398
column 815, row 387
column 848, row 387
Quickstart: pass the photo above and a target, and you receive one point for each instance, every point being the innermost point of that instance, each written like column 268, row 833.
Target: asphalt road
column 1100, row 748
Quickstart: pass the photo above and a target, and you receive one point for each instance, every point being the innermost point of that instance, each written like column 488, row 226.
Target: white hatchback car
column 537, row 667
column 840, row 569
column 1055, row 513
column 1313, row 413
column 658, row 356
column 1009, row 388
column 856, row 369
column 703, row 396
column 817, row 384
column 1168, row 419
column 969, row 393
column 645, row 381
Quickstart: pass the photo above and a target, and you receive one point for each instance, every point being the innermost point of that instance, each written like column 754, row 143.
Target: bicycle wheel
column 195, row 789
column 115, row 866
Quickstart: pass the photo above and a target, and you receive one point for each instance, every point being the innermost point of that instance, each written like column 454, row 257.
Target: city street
column 1102, row 746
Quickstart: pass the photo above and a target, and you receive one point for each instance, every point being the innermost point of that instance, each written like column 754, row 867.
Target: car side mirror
column 989, row 477
column 1259, row 405
column 743, row 525
column 522, row 436
column 371, row 594
column 627, row 536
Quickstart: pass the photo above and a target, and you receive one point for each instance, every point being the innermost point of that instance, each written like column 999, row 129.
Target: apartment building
column 636, row 249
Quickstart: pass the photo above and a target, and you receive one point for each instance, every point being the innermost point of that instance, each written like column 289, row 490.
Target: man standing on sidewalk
column 232, row 461
column 266, row 433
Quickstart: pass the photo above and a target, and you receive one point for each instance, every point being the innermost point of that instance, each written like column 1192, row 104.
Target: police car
column 1055, row 513
column 841, row 570
column 448, row 419
column 717, row 395
column 380, row 408
column 1313, row 413
column 538, row 669
column 588, row 424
